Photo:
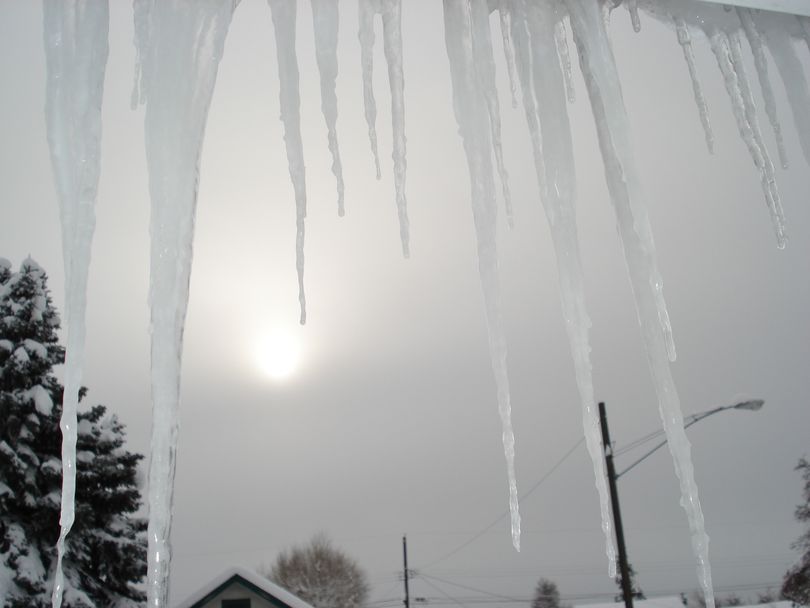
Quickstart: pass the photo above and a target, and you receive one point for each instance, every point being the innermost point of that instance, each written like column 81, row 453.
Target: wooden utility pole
column 407, row 600
column 624, row 568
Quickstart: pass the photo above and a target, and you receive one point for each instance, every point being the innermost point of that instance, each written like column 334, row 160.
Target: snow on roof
column 250, row 577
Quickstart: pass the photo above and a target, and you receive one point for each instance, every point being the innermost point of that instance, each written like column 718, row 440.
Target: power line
column 454, row 600
column 468, row 588
column 505, row 513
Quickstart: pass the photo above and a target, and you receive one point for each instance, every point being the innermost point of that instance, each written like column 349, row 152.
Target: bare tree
column 320, row 574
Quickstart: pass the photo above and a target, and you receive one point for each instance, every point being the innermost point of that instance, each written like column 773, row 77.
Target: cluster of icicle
column 179, row 46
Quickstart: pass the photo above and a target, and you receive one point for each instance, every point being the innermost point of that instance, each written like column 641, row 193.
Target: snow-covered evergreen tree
column 106, row 559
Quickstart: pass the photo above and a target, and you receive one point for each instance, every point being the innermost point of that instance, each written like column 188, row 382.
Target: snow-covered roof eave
column 795, row 7
column 250, row 577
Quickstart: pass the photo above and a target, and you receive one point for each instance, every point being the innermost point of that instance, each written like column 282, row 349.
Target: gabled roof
column 250, row 580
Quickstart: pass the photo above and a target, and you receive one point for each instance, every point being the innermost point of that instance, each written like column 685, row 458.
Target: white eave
column 795, row 7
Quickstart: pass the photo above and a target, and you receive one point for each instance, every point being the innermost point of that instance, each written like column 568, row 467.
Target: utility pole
column 407, row 600
column 624, row 568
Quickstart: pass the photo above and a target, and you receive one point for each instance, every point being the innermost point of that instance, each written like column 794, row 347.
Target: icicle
column 685, row 40
column 485, row 68
column 367, row 11
column 745, row 114
column 471, row 112
column 520, row 37
column 186, row 41
column 283, row 12
column 392, row 37
column 613, row 130
column 391, row 11
column 774, row 28
column 505, row 16
column 557, row 154
column 761, row 65
column 142, row 10
column 325, row 21
column 561, row 41
column 641, row 223
column 76, row 49
column 632, row 6
column 804, row 23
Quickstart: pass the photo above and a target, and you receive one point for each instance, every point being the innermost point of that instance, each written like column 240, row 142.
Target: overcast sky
column 390, row 424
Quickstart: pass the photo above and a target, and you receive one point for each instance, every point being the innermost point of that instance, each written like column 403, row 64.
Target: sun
column 278, row 353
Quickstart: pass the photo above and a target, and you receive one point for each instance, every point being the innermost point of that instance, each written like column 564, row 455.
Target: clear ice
column 543, row 77
column 624, row 184
column 284, row 19
column 325, row 23
column 391, row 13
column 179, row 44
column 472, row 115
column 76, row 49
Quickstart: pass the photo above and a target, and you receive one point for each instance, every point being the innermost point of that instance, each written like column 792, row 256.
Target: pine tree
column 106, row 556
column 796, row 584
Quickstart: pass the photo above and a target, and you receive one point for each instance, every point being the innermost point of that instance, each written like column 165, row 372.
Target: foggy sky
column 391, row 426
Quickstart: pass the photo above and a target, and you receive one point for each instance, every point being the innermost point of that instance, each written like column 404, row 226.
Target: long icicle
column 505, row 18
column 366, row 12
column 761, row 66
column 325, row 20
column 561, row 41
column 749, row 127
column 542, row 78
column 472, row 116
column 284, row 17
column 76, row 50
column 791, row 71
column 635, row 20
column 392, row 44
column 523, row 60
column 613, row 130
column 685, row 40
column 485, row 68
column 186, row 42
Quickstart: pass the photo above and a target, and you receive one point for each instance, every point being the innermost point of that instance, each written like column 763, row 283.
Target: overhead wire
column 524, row 496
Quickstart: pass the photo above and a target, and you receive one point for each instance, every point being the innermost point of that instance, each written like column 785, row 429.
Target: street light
column 752, row 405
column 624, row 568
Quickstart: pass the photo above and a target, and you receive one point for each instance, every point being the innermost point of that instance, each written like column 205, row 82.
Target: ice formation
column 179, row 45
column 325, row 22
column 463, row 40
column 75, row 37
column 391, row 13
column 545, row 74
column 284, row 18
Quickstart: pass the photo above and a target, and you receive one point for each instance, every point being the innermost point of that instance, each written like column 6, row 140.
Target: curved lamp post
column 752, row 405
column 624, row 569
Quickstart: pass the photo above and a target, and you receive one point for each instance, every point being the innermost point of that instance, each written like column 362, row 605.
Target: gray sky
column 390, row 425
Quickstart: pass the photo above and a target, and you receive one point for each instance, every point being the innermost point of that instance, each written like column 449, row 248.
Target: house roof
column 258, row 584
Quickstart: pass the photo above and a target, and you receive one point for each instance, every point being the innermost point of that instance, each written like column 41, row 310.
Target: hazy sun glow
column 278, row 353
